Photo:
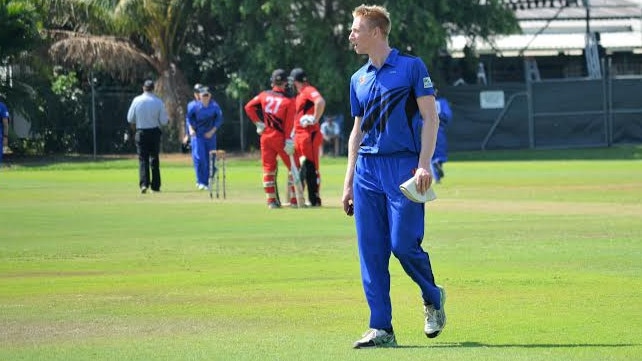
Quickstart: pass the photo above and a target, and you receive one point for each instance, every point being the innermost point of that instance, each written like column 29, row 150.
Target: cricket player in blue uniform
column 191, row 139
column 4, row 127
column 393, row 139
column 204, row 119
column 441, row 147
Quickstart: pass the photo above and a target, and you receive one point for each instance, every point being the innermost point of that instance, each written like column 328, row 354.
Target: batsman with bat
column 273, row 114
column 310, row 106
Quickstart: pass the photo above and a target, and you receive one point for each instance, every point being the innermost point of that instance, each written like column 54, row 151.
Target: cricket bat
column 298, row 187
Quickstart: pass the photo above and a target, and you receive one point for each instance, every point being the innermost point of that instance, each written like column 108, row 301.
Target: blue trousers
column 200, row 155
column 193, row 141
column 388, row 223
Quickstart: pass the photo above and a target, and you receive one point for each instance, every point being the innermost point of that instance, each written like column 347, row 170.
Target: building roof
column 550, row 31
column 599, row 9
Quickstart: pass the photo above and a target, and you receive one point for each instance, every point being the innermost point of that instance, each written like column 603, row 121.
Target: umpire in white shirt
column 146, row 115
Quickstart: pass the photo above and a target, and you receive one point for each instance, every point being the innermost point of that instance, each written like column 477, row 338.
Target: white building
column 550, row 31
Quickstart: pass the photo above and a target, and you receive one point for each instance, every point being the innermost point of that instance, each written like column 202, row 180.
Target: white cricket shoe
column 376, row 338
column 435, row 319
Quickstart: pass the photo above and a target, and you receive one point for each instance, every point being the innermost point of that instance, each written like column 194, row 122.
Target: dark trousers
column 148, row 147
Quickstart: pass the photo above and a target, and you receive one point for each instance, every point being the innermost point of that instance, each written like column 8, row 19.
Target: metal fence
column 558, row 113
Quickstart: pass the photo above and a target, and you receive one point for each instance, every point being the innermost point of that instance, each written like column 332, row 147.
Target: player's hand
column 289, row 147
column 423, row 180
column 260, row 127
column 186, row 147
column 348, row 202
column 306, row 120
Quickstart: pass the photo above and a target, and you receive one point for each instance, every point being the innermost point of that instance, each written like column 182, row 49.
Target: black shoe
column 143, row 190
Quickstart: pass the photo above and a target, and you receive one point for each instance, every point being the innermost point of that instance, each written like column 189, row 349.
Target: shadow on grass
column 629, row 152
column 472, row 344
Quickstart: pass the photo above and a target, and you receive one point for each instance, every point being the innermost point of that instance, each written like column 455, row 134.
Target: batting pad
column 409, row 189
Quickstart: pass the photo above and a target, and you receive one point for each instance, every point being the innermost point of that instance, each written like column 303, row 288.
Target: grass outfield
column 540, row 259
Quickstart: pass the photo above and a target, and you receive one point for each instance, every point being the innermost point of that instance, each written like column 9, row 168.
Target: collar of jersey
column 391, row 60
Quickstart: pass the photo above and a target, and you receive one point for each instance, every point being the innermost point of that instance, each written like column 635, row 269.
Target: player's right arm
column 356, row 136
column 253, row 109
column 191, row 120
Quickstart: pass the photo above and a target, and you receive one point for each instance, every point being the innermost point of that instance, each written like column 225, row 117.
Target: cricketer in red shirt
column 308, row 139
column 272, row 111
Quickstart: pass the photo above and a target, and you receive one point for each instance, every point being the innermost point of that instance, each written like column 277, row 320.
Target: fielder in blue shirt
column 4, row 127
column 441, row 147
column 393, row 139
column 191, row 139
column 204, row 119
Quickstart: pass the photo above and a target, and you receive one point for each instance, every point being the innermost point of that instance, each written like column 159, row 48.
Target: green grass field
column 539, row 252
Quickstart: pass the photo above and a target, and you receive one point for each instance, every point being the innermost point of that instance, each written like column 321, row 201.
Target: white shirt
column 147, row 111
column 330, row 130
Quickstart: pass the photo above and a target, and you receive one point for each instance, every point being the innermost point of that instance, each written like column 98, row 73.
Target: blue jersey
column 445, row 116
column 444, row 111
column 202, row 119
column 386, row 101
column 4, row 113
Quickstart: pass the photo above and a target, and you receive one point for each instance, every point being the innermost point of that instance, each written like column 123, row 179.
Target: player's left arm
column 288, row 118
column 219, row 117
column 319, row 106
column 430, row 118
column 218, row 120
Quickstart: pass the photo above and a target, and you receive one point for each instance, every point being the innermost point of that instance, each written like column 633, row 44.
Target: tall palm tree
column 125, row 38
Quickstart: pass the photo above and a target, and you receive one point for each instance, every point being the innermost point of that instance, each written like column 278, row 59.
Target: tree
column 128, row 39
column 20, row 25
column 253, row 37
column 19, row 34
column 234, row 45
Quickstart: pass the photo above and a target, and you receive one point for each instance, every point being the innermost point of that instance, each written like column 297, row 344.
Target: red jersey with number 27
column 273, row 108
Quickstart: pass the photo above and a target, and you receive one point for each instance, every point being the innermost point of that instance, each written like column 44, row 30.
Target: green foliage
column 249, row 39
column 66, row 87
column 80, row 16
column 20, row 25
column 233, row 45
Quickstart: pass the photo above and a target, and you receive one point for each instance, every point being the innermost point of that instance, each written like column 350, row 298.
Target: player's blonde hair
column 377, row 17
